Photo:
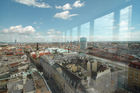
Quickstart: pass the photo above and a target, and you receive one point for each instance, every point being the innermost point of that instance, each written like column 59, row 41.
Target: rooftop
column 135, row 65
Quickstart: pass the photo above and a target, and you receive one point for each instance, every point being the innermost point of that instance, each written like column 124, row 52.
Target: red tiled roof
column 135, row 65
column 14, row 64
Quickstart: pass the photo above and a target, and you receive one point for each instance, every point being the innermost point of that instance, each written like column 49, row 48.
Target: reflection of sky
column 75, row 34
column 42, row 19
column 85, row 30
column 103, row 27
column 125, row 21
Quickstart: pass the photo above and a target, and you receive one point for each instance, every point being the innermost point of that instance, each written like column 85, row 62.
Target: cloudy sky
column 38, row 19
column 48, row 20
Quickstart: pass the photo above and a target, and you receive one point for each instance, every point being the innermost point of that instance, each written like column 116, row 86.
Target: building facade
column 134, row 76
column 83, row 43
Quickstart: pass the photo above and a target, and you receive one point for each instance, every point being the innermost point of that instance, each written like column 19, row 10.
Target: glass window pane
column 125, row 20
column 103, row 28
column 75, row 34
column 85, row 28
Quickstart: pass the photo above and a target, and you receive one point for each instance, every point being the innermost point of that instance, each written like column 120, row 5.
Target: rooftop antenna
column 37, row 46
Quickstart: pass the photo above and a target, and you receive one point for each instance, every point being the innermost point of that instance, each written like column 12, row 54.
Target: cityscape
column 69, row 46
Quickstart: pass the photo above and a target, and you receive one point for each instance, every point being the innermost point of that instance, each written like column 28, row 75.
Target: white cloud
column 78, row 3
column 135, row 35
column 132, row 28
column 54, row 35
column 19, row 29
column 129, row 36
column 39, row 37
column 53, row 32
column 67, row 6
column 34, row 3
column 64, row 7
column 123, row 36
column 124, row 26
column 123, row 23
column 64, row 15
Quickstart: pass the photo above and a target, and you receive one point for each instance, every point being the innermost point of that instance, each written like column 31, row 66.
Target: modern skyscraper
column 15, row 41
column 83, row 43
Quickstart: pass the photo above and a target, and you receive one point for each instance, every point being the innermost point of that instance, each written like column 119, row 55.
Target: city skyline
column 52, row 21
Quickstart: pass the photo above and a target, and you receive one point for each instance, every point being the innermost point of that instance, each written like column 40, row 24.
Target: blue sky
column 45, row 20
column 41, row 16
column 15, row 12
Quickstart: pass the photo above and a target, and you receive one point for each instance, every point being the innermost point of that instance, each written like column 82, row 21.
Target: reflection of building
column 83, row 43
column 134, row 75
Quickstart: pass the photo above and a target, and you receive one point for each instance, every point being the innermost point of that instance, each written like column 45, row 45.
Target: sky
column 48, row 20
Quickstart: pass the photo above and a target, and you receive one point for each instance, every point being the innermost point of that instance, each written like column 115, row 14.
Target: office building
column 83, row 43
